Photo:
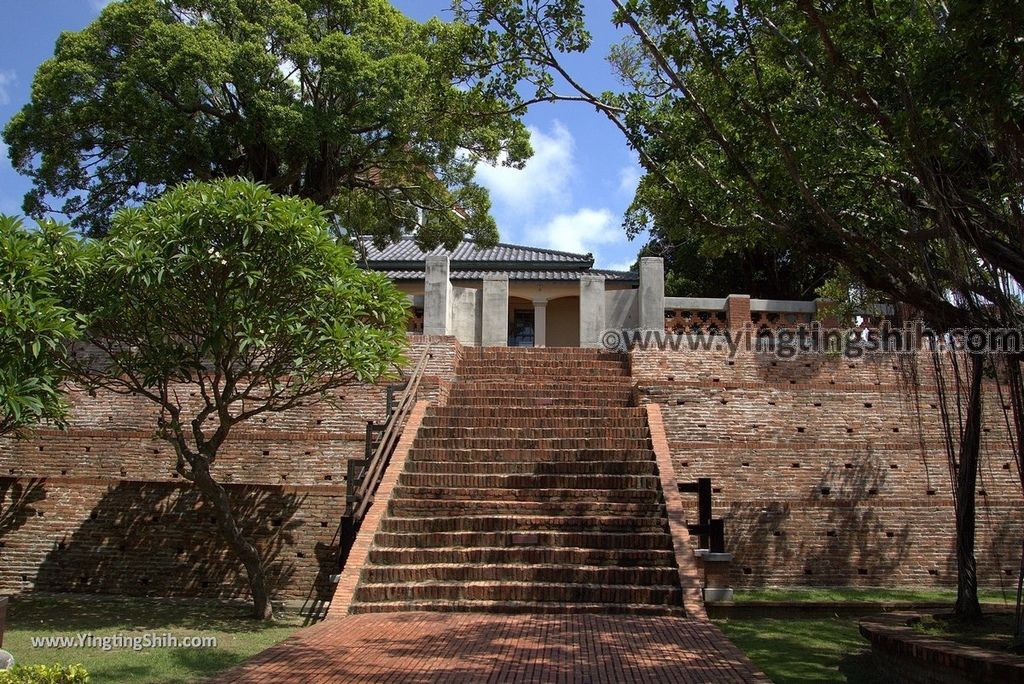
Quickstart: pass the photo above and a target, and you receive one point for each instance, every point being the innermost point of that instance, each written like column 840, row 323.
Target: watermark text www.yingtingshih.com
column 910, row 338
column 123, row 642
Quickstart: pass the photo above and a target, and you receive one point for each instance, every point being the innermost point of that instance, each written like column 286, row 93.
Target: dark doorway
column 521, row 329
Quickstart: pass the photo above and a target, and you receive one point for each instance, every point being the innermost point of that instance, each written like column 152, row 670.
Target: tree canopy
column 694, row 268
column 373, row 116
column 885, row 137
column 35, row 328
column 220, row 302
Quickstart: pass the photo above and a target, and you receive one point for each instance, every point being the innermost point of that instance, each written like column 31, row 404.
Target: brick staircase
column 534, row 490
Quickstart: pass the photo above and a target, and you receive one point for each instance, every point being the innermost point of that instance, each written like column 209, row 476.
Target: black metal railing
column 364, row 475
column 363, row 486
column 710, row 531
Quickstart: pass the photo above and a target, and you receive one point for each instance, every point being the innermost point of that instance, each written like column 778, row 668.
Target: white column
column 592, row 310
column 494, row 328
column 540, row 322
column 437, row 296
column 652, row 293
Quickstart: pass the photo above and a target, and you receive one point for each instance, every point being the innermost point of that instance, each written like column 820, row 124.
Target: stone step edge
column 525, row 585
column 432, row 549
column 624, row 535
column 520, row 607
column 489, row 516
column 517, row 566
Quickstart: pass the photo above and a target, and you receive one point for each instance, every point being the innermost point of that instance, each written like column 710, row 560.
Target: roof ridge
column 545, row 250
column 542, row 250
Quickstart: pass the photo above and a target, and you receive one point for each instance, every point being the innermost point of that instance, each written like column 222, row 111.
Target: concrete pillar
column 540, row 322
column 652, row 293
column 437, row 296
column 494, row 327
column 592, row 310
column 737, row 311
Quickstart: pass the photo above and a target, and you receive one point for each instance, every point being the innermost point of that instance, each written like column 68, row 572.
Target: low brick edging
column 345, row 592
column 912, row 657
column 689, row 573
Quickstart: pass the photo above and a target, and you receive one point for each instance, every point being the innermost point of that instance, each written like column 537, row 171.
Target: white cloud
column 621, row 266
column 7, row 79
column 545, row 179
column 581, row 232
column 629, row 178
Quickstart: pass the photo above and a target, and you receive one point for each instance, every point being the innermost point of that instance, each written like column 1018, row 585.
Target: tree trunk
column 1018, row 623
column 217, row 496
column 967, row 608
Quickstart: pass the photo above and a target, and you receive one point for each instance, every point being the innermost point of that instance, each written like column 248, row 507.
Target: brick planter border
column 909, row 656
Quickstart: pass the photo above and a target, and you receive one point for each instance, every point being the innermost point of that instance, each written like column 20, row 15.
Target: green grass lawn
column 238, row 636
column 820, row 649
column 816, row 594
column 805, row 649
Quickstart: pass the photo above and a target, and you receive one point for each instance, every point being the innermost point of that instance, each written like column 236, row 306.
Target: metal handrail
column 375, row 468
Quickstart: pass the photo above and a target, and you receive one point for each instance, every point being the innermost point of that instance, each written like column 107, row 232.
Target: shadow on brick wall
column 842, row 542
column 17, row 504
column 161, row 540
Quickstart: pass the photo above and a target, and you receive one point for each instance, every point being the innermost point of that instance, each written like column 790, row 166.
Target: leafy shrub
column 45, row 674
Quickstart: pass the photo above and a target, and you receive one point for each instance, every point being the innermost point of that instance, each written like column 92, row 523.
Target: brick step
column 512, row 420
column 539, row 384
column 447, row 455
column 521, row 481
column 442, row 507
column 532, row 401
column 521, row 591
column 517, row 572
column 566, row 389
column 496, row 371
column 534, row 555
column 524, row 523
column 508, row 432
column 531, row 494
column 533, row 468
column 556, row 412
column 538, row 401
column 541, row 353
column 516, row 607
column 578, row 540
column 534, row 361
column 553, row 443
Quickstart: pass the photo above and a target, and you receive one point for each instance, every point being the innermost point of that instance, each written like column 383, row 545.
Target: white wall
column 621, row 309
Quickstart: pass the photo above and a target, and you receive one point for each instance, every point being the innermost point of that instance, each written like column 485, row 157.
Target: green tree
column 35, row 328
column 885, row 137
column 694, row 268
column 349, row 103
column 222, row 302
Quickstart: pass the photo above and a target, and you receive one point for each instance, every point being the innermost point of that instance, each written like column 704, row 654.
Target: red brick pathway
column 469, row 647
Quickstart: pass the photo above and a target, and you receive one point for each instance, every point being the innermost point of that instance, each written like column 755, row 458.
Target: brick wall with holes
column 159, row 538
column 99, row 507
column 830, row 471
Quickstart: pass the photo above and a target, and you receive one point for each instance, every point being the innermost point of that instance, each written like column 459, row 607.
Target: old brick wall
column 832, row 471
column 98, row 507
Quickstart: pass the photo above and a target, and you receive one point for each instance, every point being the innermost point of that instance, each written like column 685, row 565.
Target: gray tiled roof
column 531, row 274
column 405, row 250
column 403, row 260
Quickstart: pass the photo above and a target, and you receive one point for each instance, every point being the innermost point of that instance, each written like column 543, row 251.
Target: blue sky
column 570, row 196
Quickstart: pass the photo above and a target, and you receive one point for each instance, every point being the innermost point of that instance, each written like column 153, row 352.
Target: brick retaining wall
column 831, row 471
column 99, row 508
